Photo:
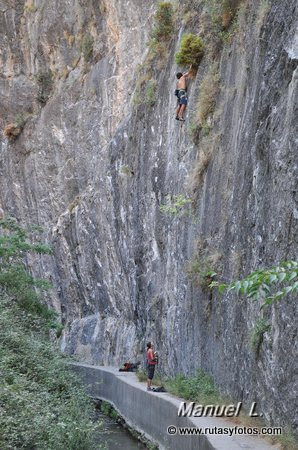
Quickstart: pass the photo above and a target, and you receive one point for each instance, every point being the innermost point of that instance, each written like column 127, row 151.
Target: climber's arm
column 187, row 74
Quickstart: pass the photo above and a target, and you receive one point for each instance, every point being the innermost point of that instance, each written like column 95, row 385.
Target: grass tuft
column 261, row 327
column 208, row 93
column 86, row 47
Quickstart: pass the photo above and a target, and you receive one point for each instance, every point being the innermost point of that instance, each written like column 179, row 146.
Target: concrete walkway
column 152, row 413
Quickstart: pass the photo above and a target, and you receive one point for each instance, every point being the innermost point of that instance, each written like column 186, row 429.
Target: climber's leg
column 181, row 112
column 183, row 103
column 177, row 111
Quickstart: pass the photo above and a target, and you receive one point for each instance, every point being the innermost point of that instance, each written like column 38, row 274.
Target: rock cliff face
column 93, row 166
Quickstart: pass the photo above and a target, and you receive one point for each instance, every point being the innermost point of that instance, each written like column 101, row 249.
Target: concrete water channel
column 152, row 413
column 113, row 436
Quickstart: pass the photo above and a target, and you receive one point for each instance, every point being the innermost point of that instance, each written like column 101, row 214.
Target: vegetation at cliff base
column 199, row 388
column 108, row 410
column 41, row 403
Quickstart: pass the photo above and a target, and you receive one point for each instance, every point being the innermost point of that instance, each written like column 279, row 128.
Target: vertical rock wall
column 93, row 169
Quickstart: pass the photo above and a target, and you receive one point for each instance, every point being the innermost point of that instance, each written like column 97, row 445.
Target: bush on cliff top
column 191, row 51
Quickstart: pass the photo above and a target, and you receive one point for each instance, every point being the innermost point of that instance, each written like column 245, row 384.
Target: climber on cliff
column 151, row 363
column 181, row 94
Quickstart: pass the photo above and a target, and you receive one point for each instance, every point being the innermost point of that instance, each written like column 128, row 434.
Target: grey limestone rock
column 93, row 169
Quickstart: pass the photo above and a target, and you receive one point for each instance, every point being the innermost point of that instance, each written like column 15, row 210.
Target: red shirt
column 150, row 358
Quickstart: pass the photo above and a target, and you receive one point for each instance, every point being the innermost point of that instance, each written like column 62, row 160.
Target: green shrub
column 159, row 42
column 288, row 440
column 142, row 375
column 191, row 51
column 44, row 79
column 126, row 170
column 202, row 268
column 145, row 87
column 223, row 12
column 163, row 22
column 200, row 272
column 199, row 388
column 176, row 206
column 207, row 98
column 42, row 405
column 21, row 119
column 145, row 92
column 157, row 380
column 86, row 46
column 107, row 409
column 31, row 8
column 150, row 94
column 207, row 145
column 15, row 280
column 163, row 29
column 190, row 11
column 256, row 338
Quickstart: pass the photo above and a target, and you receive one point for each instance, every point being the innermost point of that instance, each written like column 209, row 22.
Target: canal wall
column 152, row 413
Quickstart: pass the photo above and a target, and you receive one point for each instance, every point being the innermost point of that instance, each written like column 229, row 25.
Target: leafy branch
column 268, row 285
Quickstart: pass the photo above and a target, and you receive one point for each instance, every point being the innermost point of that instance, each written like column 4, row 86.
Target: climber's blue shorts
column 182, row 97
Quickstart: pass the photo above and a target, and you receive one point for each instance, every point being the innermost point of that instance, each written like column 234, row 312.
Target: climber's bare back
column 181, row 84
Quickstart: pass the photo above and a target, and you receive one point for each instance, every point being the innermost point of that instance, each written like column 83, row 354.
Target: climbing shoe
column 177, row 118
column 181, row 119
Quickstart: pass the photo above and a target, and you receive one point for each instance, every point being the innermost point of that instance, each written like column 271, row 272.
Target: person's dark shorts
column 182, row 97
column 150, row 371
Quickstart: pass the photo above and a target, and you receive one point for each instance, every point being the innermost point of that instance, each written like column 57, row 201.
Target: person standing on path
column 151, row 363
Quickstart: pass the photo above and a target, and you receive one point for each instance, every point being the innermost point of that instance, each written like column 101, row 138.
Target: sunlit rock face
column 93, row 168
